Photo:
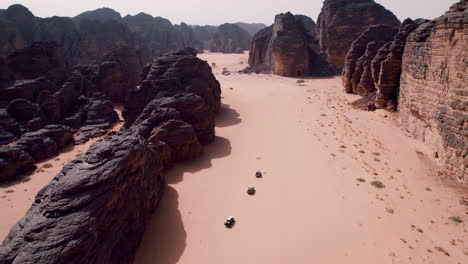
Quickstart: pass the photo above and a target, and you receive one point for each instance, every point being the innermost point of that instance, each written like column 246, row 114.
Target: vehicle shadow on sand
column 164, row 240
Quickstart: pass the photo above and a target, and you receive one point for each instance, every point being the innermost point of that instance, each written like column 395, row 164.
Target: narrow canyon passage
column 339, row 186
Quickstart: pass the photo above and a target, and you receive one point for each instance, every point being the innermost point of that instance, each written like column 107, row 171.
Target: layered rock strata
column 433, row 97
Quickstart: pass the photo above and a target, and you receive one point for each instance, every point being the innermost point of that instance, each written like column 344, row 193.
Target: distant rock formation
column 95, row 210
column 341, row 21
column 287, row 48
column 230, row 38
column 204, row 35
column 100, row 14
column 434, row 92
column 251, row 28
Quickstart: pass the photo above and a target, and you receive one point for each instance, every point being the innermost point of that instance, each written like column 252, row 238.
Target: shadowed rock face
column 357, row 72
column 172, row 74
column 433, row 89
column 230, row 38
column 13, row 161
column 95, row 210
column 41, row 59
column 287, row 48
column 341, row 21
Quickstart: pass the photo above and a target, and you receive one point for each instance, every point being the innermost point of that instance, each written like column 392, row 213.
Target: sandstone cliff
column 434, row 92
column 341, row 21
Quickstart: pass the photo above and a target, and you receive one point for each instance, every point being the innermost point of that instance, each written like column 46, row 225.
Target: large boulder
column 13, row 161
column 30, row 90
column 45, row 143
column 94, row 211
column 230, row 38
column 171, row 74
column 433, row 87
column 180, row 137
column 357, row 72
column 9, row 128
column 22, row 110
column 192, row 109
column 288, row 48
column 97, row 116
column 341, row 21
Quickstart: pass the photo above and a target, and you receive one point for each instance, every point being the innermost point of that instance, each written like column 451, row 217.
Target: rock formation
column 14, row 161
column 172, row 74
column 251, row 28
column 95, row 210
column 230, row 38
column 43, row 116
column 386, row 66
column 433, row 90
column 373, row 65
column 357, row 72
column 287, row 48
column 341, row 21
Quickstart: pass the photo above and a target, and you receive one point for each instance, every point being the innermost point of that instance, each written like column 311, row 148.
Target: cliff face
column 287, row 48
column 341, row 21
column 434, row 92
column 230, row 38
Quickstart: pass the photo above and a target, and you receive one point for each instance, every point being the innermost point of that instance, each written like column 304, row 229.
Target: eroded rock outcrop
column 14, row 161
column 95, row 210
column 433, row 91
column 357, row 72
column 373, row 65
column 341, row 21
column 287, row 48
column 230, row 38
column 172, row 74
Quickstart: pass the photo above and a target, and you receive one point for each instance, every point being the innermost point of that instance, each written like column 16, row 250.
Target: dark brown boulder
column 9, row 128
column 45, row 143
column 180, row 137
column 171, row 74
column 341, row 21
column 164, row 152
column 97, row 116
column 13, row 161
column 387, row 70
column 157, row 116
column 359, row 58
column 230, row 38
column 94, row 211
column 287, row 48
column 192, row 109
column 22, row 110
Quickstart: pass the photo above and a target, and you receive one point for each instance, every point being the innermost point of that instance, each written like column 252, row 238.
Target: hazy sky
column 214, row 12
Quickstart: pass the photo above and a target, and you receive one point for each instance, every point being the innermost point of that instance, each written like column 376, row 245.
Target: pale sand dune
column 309, row 207
column 17, row 197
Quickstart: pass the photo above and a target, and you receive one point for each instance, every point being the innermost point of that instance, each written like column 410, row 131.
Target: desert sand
column 309, row 207
column 315, row 202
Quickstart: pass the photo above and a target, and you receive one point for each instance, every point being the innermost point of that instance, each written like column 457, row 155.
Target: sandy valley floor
column 315, row 203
